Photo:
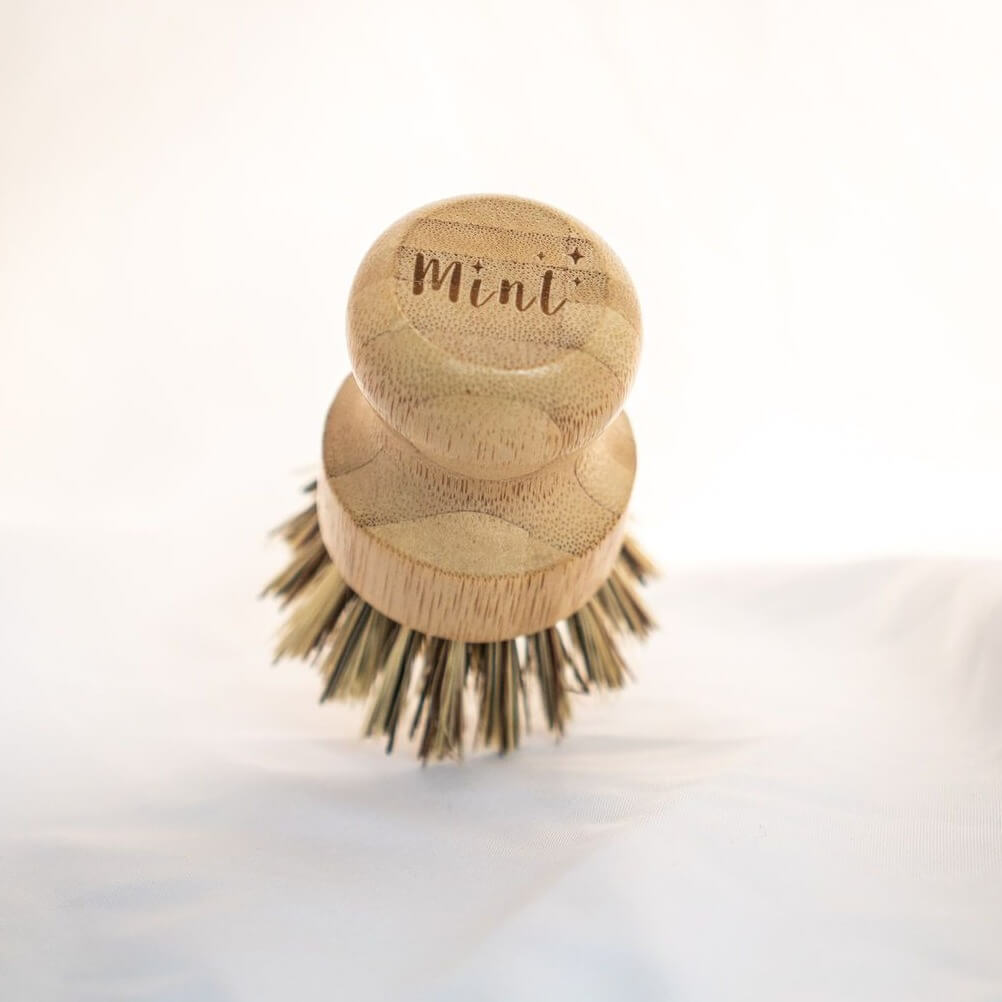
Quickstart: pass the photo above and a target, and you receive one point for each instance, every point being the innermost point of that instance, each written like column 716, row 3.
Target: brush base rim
column 433, row 572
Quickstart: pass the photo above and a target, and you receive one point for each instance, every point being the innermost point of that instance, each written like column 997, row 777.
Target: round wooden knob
column 494, row 334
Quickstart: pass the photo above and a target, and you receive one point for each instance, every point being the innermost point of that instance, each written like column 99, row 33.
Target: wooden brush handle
column 475, row 471
column 494, row 334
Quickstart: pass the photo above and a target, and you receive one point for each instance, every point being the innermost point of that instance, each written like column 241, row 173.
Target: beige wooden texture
column 494, row 333
column 476, row 475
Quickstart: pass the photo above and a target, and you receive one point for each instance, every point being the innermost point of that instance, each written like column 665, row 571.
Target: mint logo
column 430, row 272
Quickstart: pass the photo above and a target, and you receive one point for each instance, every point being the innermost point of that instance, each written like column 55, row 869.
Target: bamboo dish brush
column 466, row 537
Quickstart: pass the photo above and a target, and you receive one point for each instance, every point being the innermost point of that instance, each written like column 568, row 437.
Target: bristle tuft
column 636, row 561
column 363, row 654
column 500, row 682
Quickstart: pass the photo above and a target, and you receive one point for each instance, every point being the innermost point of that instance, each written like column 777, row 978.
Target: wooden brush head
column 475, row 469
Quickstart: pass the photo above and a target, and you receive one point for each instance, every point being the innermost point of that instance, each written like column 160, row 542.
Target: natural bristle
column 363, row 654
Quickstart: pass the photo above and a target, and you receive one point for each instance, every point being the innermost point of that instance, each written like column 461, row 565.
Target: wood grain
column 462, row 557
column 477, row 468
column 495, row 334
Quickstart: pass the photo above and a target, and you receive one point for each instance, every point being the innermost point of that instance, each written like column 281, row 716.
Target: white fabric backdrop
column 800, row 798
